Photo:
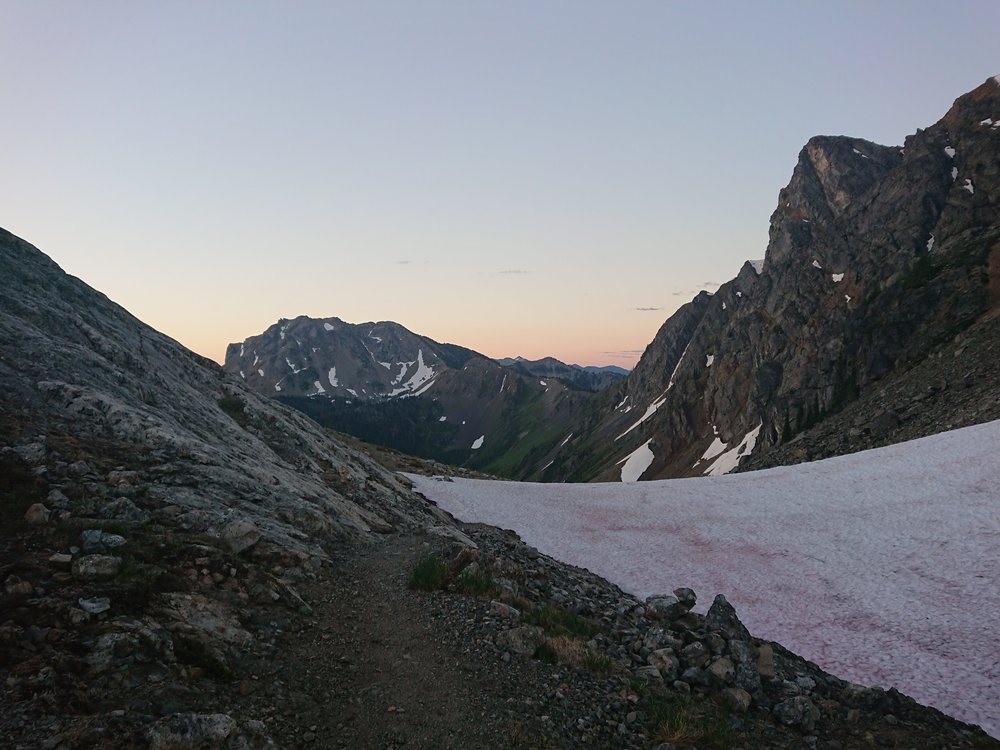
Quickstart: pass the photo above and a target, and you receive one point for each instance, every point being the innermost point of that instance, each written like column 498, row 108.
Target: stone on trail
column 37, row 514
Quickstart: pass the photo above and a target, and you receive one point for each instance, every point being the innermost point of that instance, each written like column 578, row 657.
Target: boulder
column 664, row 607
column 37, row 514
column 722, row 618
column 797, row 711
column 523, row 640
column 240, row 535
column 96, row 567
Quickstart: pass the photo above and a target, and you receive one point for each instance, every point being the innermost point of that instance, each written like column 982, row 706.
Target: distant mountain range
column 388, row 385
column 588, row 378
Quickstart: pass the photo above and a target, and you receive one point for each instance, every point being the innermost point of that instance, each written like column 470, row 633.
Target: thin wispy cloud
column 403, row 262
column 513, row 272
column 624, row 353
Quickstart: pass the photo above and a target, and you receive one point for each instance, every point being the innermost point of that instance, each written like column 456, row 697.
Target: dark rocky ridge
column 877, row 256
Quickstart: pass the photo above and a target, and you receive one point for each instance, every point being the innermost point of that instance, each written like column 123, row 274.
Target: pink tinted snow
column 882, row 566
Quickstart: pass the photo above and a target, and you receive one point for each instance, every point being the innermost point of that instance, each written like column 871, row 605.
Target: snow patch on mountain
column 637, row 462
column 730, row 459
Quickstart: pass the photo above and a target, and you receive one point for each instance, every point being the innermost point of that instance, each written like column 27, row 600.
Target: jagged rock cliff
column 876, row 256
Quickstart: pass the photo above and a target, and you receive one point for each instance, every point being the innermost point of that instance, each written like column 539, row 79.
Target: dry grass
column 568, row 650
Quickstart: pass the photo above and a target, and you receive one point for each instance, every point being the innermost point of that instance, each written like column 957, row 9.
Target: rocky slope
column 877, row 256
column 389, row 386
column 154, row 514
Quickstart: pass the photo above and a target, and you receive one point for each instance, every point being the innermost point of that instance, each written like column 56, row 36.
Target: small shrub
column 476, row 584
column 679, row 721
column 561, row 622
column 231, row 405
column 430, row 574
column 546, row 653
column 598, row 662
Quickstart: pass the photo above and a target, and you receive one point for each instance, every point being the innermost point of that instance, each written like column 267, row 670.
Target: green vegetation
column 231, row 405
column 430, row 574
column 561, row 622
column 409, row 425
column 680, row 721
column 433, row 574
column 598, row 662
column 475, row 582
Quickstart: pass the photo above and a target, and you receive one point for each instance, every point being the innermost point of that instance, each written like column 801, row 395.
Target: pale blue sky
column 516, row 177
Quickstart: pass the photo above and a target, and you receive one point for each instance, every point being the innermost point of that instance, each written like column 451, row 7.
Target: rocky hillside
column 391, row 387
column 877, row 256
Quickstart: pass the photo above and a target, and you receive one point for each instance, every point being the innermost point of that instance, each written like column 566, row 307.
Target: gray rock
column 694, row 654
column 747, row 676
column 56, row 499
column 523, row 640
column 94, row 605
column 765, row 661
column 666, row 662
column 240, row 535
column 503, row 610
column 123, row 509
column 797, row 712
column 37, row 514
column 722, row 618
column 697, row 678
column 665, row 607
column 737, row 699
column 191, row 731
column 647, row 672
column 15, row 586
column 686, row 597
column 721, row 671
column 96, row 567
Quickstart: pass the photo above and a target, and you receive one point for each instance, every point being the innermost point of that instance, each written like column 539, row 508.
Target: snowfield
column 883, row 567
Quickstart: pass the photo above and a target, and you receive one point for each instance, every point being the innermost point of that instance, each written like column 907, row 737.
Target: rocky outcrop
column 877, row 255
column 86, row 387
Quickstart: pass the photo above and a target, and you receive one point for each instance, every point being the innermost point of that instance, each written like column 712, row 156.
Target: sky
column 522, row 178
column 880, row 566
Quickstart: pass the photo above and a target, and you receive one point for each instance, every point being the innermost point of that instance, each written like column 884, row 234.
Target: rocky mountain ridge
column 386, row 385
column 877, row 256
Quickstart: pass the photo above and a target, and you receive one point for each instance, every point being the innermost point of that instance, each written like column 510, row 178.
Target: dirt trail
column 378, row 670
